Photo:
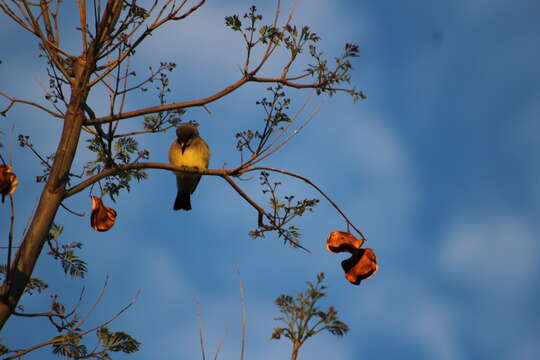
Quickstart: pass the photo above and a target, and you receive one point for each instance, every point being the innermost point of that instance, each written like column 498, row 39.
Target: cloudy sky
column 439, row 167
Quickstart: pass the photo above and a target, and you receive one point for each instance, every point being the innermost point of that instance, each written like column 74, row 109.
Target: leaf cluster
column 276, row 119
column 330, row 78
column 252, row 34
column 302, row 316
column 282, row 212
column 70, row 345
column 117, row 341
column 162, row 120
column 296, row 39
column 125, row 150
column 72, row 265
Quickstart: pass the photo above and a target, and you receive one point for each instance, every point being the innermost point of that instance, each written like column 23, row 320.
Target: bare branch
column 13, row 100
column 244, row 317
column 224, row 173
column 315, row 187
column 71, row 211
column 143, row 165
column 200, row 324
column 157, row 23
column 241, row 192
column 143, row 132
column 133, row 300
column 174, row 106
column 10, row 237
column 20, row 353
column 84, row 30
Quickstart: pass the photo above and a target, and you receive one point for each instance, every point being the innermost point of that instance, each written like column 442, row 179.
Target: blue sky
column 439, row 167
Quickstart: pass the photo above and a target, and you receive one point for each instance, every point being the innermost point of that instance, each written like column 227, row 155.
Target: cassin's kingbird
column 189, row 149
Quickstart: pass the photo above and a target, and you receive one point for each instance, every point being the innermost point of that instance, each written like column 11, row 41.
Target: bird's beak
column 184, row 144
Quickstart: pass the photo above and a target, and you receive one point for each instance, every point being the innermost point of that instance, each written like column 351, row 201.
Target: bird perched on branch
column 189, row 149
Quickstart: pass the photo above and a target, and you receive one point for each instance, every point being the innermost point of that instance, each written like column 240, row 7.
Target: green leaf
column 233, row 22
column 118, row 341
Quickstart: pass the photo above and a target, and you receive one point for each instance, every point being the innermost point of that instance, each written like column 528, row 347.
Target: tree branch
column 263, row 168
column 224, row 173
column 174, row 106
column 13, row 100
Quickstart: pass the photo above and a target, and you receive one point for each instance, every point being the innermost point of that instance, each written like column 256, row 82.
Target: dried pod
column 8, row 181
column 360, row 266
column 102, row 218
column 340, row 241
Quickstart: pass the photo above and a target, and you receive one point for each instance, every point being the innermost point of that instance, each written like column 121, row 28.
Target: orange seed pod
column 102, row 218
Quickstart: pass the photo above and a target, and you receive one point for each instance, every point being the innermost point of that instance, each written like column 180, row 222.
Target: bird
column 189, row 149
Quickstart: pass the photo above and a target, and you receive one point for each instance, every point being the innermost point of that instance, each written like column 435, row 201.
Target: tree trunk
column 51, row 197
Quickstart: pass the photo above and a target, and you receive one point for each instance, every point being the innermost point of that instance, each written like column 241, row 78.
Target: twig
column 31, row 103
column 241, row 192
column 115, row 316
column 47, row 314
column 142, row 132
column 98, row 300
column 10, row 238
column 258, row 156
column 224, row 173
column 200, row 325
column 19, row 354
column 82, row 16
column 220, row 343
column 180, row 105
column 244, row 316
column 71, row 211
column 316, row 188
column 261, row 212
column 207, row 109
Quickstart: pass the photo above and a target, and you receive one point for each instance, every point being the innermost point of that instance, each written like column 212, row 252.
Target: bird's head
column 185, row 134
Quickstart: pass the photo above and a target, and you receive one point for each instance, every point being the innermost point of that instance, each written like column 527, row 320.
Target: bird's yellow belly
column 190, row 157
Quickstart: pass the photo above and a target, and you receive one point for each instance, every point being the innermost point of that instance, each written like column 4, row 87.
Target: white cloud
column 408, row 310
column 434, row 326
column 527, row 348
column 497, row 254
column 382, row 189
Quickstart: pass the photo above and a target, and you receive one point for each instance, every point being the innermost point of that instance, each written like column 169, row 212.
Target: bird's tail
column 182, row 202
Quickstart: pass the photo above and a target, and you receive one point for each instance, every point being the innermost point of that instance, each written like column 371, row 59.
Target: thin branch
column 220, row 343
column 98, row 300
column 15, row 100
column 10, row 238
column 261, row 212
column 84, row 31
column 200, row 324
column 224, row 173
column 19, row 354
column 82, row 334
column 288, row 82
column 241, row 192
column 174, row 106
column 259, row 156
column 71, row 211
column 203, row 101
column 133, row 300
column 244, row 317
column 157, row 23
column 316, row 188
column 190, row 11
column 47, row 314
column 143, row 132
